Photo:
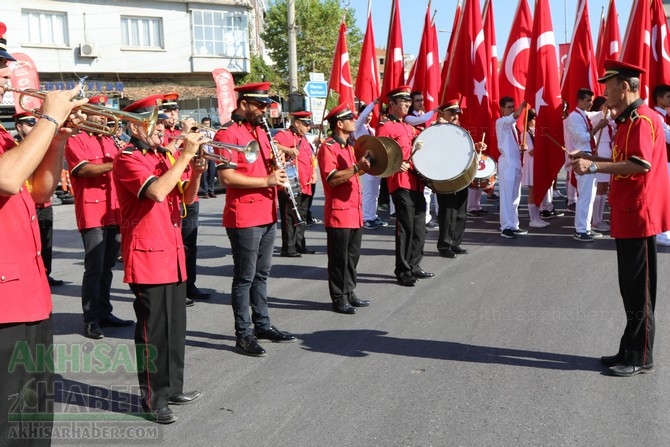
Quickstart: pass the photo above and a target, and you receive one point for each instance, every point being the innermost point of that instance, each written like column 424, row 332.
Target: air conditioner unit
column 88, row 50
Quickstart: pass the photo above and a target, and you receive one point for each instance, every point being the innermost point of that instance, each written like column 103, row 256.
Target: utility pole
column 292, row 51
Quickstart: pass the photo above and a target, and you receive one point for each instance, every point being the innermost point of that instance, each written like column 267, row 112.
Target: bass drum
column 444, row 154
column 487, row 173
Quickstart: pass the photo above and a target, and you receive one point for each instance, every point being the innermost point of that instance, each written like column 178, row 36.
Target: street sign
column 316, row 89
column 316, row 106
column 313, row 76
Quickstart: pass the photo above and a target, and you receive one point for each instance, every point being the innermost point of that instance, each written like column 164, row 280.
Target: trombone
column 250, row 151
column 114, row 118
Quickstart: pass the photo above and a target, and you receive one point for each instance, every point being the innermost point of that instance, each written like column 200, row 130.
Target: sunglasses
column 28, row 122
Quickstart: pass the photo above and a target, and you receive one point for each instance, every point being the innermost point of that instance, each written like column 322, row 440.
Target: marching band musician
column 89, row 158
column 249, row 216
column 293, row 143
column 29, row 173
column 343, row 210
column 406, row 189
column 150, row 190
column 451, row 207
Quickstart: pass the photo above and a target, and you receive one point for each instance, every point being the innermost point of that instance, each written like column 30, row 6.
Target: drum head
column 443, row 152
column 486, row 167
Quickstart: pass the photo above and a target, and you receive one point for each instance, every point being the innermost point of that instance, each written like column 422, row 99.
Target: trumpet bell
column 386, row 155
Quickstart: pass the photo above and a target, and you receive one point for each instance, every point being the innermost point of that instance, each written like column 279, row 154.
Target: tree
column 317, row 24
column 260, row 72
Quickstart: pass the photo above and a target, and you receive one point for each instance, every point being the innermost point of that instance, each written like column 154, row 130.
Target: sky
column 412, row 13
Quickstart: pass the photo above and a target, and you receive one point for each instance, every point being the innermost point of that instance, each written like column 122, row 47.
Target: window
column 142, row 32
column 46, row 27
column 221, row 33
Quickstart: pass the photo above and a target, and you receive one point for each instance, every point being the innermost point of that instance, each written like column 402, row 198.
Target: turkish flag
column 492, row 76
column 580, row 70
column 611, row 39
column 394, row 66
column 448, row 56
column 659, row 62
column 225, row 92
column 340, row 74
column 426, row 70
column 367, row 80
column 544, row 94
column 24, row 75
column 514, row 68
column 468, row 74
column 636, row 44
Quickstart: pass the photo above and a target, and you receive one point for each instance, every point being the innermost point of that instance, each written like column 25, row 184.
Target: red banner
column 225, row 92
column 24, row 76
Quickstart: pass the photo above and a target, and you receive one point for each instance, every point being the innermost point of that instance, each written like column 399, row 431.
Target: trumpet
column 113, row 117
column 250, row 151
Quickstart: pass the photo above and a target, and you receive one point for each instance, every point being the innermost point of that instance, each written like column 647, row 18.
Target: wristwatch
column 593, row 168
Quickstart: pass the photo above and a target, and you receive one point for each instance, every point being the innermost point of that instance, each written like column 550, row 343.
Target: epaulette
column 226, row 125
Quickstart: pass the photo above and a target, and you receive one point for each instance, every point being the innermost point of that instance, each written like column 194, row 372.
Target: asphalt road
column 500, row 348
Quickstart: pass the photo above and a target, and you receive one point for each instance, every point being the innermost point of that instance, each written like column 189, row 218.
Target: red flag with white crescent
column 659, row 62
column 340, row 75
column 225, row 92
column 24, row 76
column 637, row 42
column 611, row 40
column 580, row 70
column 449, row 55
column 514, row 68
column 492, row 69
column 367, row 81
column 394, row 65
column 544, row 93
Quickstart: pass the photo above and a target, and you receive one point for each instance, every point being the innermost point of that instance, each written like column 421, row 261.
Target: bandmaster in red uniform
column 640, row 208
column 151, row 192
column 343, row 210
column 249, row 216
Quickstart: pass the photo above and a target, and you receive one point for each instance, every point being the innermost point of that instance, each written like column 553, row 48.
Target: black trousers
column 410, row 230
column 344, row 250
column 637, row 282
column 45, row 219
column 189, row 233
column 451, row 218
column 292, row 236
column 160, row 338
column 208, row 179
column 27, row 390
column 101, row 248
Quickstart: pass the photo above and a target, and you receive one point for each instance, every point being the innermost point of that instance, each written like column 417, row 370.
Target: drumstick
column 481, row 148
column 553, row 140
column 418, row 144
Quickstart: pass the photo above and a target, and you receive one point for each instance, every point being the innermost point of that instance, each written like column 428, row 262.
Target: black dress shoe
column 284, row 254
column 611, row 360
column 55, row 282
column 92, row 330
column 184, row 398
column 631, row 370
column 198, row 295
column 460, row 251
column 274, row 335
column 249, row 346
column 306, row 251
column 422, row 274
column 113, row 320
column 407, row 280
column 189, row 302
column 447, row 253
column 163, row 416
column 344, row 309
column 359, row 303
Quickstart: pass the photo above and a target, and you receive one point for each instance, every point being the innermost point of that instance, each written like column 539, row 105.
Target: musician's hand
column 581, row 165
column 187, row 125
column 404, row 166
column 199, row 165
column 277, row 178
column 364, row 162
column 290, row 151
column 481, row 146
column 192, row 142
column 579, row 154
column 59, row 104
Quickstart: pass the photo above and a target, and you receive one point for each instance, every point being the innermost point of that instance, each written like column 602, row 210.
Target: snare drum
column 293, row 177
column 487, row 173
column 445, row 156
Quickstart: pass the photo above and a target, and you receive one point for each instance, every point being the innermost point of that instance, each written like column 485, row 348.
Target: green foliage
column 260, row 72
column 318, row 24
